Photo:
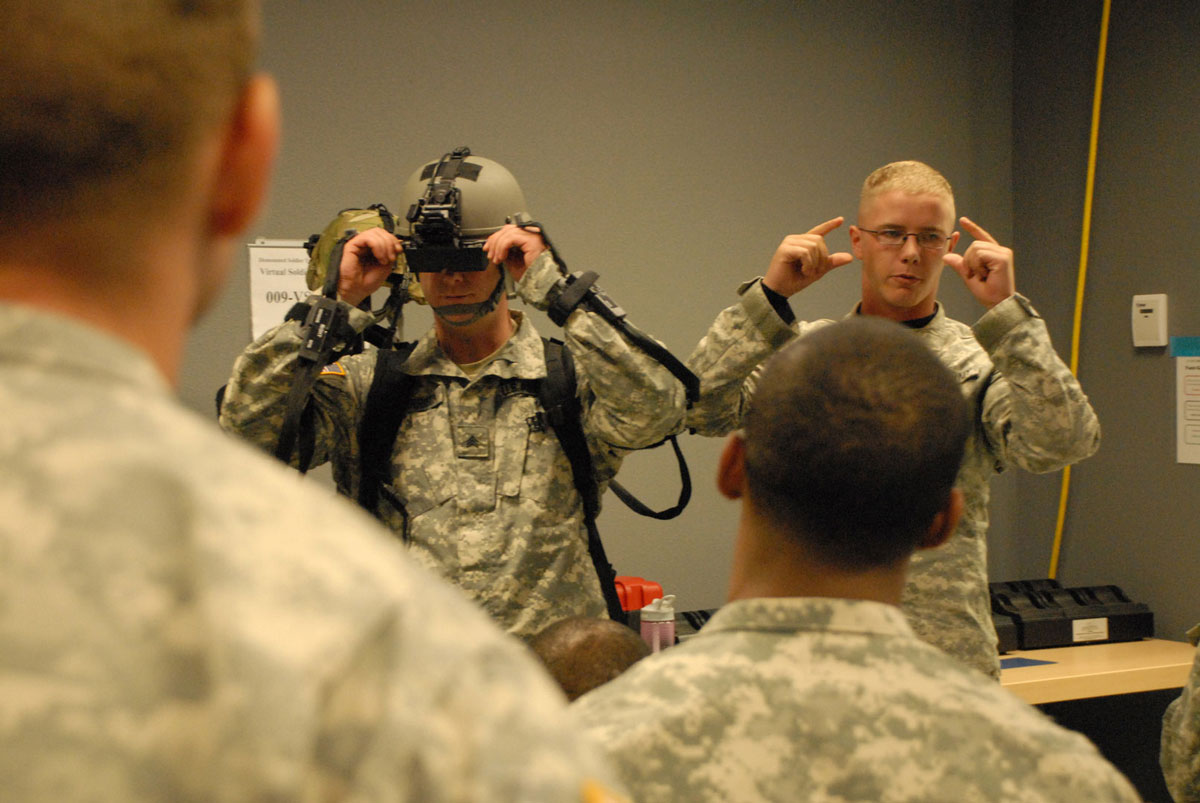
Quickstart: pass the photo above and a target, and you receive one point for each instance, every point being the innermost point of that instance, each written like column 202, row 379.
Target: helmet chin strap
column 476, row 310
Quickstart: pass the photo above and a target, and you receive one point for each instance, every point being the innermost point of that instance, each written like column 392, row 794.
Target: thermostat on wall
column 1150, row 320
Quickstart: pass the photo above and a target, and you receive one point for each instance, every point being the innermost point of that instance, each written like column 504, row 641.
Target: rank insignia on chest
column 472, row 442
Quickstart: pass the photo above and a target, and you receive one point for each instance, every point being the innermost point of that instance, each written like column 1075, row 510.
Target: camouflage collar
column 31, row 336
column 798, row 614
column 520, row 358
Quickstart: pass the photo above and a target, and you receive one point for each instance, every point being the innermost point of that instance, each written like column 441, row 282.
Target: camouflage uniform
column 486, row 489
column 1181, row 737
column 1031, row 412
column 819, row 699
column 181, row 619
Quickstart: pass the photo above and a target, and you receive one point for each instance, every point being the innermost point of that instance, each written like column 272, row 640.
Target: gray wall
column 1134, row 510
column 671, row 145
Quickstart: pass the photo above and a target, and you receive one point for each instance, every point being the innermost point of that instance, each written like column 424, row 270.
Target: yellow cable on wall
column 1083, row 261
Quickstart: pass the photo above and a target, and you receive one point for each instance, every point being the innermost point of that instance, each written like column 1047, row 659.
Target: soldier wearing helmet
column 478, row 487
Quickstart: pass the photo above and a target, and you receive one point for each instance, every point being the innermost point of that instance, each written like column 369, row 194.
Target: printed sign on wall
column 1186, row 351
column 277, row 270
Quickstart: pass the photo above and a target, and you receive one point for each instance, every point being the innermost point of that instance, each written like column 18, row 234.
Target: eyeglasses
column 893, row 238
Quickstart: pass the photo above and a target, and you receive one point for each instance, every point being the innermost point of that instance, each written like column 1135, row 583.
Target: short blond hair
column 104, row 100
column 910, row 177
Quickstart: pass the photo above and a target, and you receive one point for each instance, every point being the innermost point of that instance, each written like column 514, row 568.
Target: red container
column 636, row 593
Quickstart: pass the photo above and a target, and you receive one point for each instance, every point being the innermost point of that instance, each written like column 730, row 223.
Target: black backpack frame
column 386, row 407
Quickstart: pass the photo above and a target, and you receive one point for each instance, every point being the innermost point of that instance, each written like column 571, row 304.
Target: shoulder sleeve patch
column 333, row 369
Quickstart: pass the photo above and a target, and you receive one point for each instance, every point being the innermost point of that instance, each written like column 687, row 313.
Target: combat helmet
column 484, row 194
column 320, row 246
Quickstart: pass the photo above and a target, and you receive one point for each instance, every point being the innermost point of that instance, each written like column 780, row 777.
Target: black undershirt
column 780, row 303
column 918, row 323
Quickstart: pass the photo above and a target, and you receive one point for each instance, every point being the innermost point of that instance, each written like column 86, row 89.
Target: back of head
column 853, row 442
column 582, row 653
column 101, row 99
column 910, row 177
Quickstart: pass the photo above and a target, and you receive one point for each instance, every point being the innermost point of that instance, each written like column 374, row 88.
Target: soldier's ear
column 731, row 469
column 250, row 140
column 943, row 524
column 855, row 241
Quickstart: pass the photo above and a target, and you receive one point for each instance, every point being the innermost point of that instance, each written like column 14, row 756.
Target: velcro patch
column 472, row 442
column 334, row 369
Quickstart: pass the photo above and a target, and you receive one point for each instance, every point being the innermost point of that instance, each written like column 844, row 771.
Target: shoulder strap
column 561, row 403
column 387, row 402
column 685, row 488
column 565, row 416
column 557, row 394
column 325, row 324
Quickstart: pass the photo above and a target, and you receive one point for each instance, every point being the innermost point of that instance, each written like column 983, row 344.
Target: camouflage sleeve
column 1180, row 756
column 725, row 359
column 493, row 727
column 255, row 400
column 630, row 400
column 1035, row 414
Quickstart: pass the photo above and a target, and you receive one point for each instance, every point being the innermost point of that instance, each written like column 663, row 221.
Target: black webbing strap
column 571, row 296
column 564, row 414
column 685, row 490
column 557, row 394
column 325, row 325
column 599, row 303
column 385, row 216
column 580, row 288
column 304, row 377
column 387, row 404
column 451, row 166
column 383, row 413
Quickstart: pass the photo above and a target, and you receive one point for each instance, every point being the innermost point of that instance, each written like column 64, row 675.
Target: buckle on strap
column 322, row 325
column 569, row 294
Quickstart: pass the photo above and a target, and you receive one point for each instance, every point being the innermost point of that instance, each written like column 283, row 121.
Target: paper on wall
column 277, row 271
column 1186, row 351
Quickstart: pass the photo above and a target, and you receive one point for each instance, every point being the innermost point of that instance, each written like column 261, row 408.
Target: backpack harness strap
column 685, row 488
column 575, row 289
column 325, row 325
column 557, row 394
column 386, row 405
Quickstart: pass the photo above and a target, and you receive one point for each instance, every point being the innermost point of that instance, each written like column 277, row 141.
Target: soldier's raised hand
column 801, row 259
column 986, row 267
column 514, row 248
column 367, row 260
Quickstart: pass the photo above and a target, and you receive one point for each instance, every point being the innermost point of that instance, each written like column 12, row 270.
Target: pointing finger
column 826, row 227
column 976, row 231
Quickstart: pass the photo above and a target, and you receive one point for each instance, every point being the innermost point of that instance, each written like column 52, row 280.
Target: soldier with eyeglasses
column 1030, row 410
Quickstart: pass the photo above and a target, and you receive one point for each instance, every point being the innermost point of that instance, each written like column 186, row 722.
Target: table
column 1099, row 670
column 1114, row 694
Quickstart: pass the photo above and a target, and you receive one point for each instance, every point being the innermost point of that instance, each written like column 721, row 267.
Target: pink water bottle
column 658, row 623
